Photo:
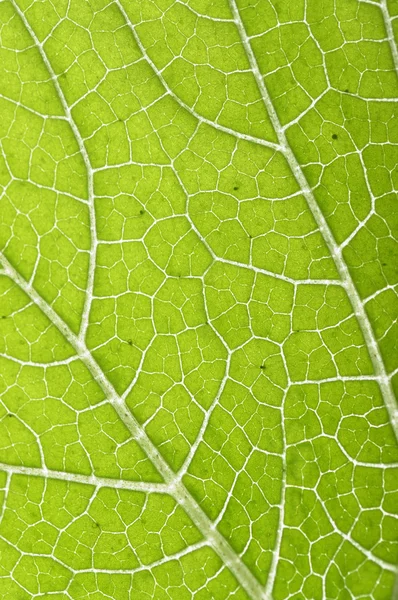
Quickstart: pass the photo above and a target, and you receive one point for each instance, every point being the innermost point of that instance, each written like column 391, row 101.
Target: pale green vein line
column 199, row 117
column 279, row 536
column 87, row 164
column 349, row 538
column 99, row 482
column 22, row 106
column 157, row 563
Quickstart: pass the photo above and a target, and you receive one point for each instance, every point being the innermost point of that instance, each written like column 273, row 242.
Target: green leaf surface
column 198, row 299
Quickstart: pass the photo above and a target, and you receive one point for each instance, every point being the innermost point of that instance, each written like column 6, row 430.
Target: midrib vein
column 390, row 32
column 336, row 252
column 173, row 485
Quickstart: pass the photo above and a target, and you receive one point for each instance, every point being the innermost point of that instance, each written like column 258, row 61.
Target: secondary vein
column 336, row 252
column 174, row 485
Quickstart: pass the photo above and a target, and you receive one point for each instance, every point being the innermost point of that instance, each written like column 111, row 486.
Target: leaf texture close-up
column 198, row 299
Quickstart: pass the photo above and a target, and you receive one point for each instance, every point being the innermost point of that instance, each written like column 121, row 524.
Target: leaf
column 198, row 299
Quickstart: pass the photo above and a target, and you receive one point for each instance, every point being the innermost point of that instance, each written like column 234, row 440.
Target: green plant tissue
column 198, row 299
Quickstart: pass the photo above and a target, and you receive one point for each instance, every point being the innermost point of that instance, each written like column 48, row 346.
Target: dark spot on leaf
column 142, row 211
column 130, row 342
column 236, row 187
column 347, row 91
column 263, row 367
column 384, row 264
column 3, row 316
column 10, row 415
column 335, row 136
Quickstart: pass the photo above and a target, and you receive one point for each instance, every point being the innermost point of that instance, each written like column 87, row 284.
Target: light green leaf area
column 198, row 299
